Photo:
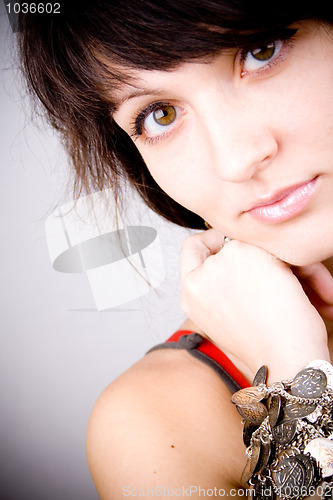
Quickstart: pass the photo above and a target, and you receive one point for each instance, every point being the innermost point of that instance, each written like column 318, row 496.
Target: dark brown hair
column 74, row 61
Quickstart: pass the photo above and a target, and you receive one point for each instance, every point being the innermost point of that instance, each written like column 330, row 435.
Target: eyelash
column 137, row 125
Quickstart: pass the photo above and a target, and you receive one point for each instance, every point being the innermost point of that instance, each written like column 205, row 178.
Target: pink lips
column 285, row 204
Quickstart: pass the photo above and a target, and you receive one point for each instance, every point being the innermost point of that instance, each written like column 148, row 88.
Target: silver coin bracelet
column 288, row 434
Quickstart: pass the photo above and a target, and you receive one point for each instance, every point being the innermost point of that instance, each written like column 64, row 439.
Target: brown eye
column 264, row 53
column 158, row 120
column 164, row 115
column 262, row 57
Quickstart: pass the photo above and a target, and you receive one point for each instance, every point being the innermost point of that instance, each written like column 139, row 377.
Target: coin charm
column 249, row 395
column 246, row 474
column 255, row 413
column 309, row 383
column 256, row 445
column 289, row 477
column 310, row 469
column 274, row 410
column 261, row 376
column 284, row 432
column 265, row 453
column 248, row 430
column 322, row 450
column 297, row 410
column 325, row 367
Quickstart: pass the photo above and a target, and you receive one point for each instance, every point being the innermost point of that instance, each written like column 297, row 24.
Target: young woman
column 216, row 111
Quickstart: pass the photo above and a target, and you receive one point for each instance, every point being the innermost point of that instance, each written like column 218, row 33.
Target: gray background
column 57, row 351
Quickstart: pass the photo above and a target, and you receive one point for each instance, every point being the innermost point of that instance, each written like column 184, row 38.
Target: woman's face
column 246, row 141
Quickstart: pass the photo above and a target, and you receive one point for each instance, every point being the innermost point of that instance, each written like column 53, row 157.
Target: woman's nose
column 241, row 149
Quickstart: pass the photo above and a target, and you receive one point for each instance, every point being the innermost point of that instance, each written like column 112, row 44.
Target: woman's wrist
column 286, row 356
column 285, row 364
column 282, row 362
column 285, row 369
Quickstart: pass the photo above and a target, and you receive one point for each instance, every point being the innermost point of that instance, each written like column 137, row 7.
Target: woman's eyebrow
column 136, row 92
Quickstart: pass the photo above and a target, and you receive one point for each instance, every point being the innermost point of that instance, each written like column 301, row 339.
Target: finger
column 318, row 279
column 197, row 248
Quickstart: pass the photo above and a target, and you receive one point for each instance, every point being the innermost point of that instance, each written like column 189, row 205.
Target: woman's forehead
column 143, row 82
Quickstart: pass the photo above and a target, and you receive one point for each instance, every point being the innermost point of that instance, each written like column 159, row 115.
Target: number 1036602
column 33, row 8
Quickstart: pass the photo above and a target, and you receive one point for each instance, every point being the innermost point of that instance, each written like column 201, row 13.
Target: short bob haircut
column 74, row 61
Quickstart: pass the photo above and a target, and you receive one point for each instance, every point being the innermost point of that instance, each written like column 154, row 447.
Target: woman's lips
column 285, row 204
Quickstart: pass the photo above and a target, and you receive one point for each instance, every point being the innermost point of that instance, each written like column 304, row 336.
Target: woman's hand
column 317, row 283
column 251, row 304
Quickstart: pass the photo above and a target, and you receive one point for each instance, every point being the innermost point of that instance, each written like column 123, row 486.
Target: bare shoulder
column 165, row 423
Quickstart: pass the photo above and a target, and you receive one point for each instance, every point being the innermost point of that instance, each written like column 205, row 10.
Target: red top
column 217, row 355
